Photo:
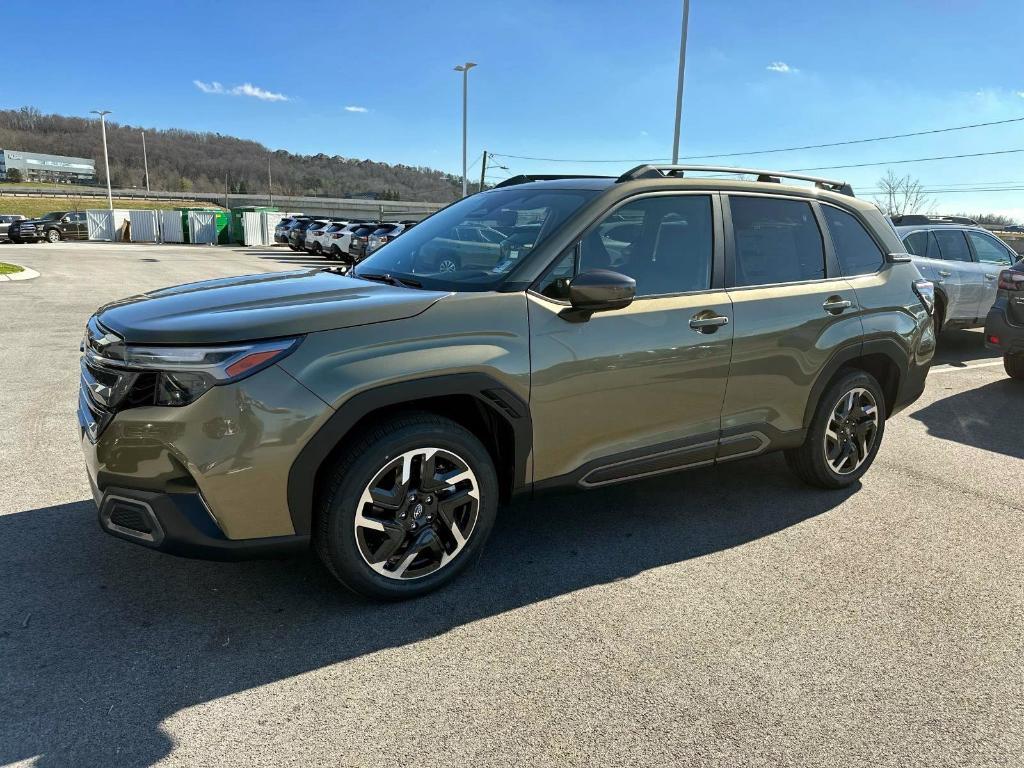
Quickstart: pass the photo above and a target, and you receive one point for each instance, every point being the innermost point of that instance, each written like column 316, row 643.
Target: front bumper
column 181, row 524
column 214, row 472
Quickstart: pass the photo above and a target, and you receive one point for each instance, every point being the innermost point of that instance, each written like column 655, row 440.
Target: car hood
column 259, row 307
column 36, row 221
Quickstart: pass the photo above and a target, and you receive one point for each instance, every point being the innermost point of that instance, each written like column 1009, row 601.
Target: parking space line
column 949, row 368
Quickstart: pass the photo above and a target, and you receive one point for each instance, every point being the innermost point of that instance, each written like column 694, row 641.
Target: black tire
column 53, row 236
column 334, row 529
column 1014, row 365
column 809, row 462
column 938, row 317
column 317, row 249
column 334, row 254
column 293, row 246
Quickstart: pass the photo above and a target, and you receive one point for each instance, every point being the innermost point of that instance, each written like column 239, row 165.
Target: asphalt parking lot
column 721, row 617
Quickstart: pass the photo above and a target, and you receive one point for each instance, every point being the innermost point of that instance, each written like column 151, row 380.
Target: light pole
column 679, row 84
column 106, row 161
column 464, row 69
column 145, row 159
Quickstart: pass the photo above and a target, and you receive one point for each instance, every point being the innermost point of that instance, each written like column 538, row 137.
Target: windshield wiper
column 401, row 282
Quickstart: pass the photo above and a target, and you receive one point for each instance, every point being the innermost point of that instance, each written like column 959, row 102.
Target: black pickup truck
column 52, row 227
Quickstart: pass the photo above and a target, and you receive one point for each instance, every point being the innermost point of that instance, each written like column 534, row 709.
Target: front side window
column 989, row 250
column 857, row 252
column 436, row 255
column 777, row 241
column 665, row 243
column 952, row 245
column 922, row 244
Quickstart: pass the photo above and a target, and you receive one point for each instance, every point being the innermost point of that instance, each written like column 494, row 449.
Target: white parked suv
column 962, row 259
column 318, row 240
column 340, row 241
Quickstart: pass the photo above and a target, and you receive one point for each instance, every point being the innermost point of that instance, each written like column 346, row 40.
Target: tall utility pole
column 679, row 85
column 106, row 161
column 270, row 184
column 464, row 69
column 145, row 159
column 483, row 170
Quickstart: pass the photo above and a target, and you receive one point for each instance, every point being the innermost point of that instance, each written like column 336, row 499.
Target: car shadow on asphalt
column 960, row 348
column 101, row 640
column 984, row 417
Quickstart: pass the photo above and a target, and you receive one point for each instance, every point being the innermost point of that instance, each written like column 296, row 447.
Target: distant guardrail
column 322, row 206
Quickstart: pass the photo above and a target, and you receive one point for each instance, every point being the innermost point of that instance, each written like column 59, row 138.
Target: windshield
column 473, row 244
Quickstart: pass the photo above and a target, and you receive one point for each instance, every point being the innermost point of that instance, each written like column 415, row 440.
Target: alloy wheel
column 417, row 513
column 447, row 265
column 851, row 431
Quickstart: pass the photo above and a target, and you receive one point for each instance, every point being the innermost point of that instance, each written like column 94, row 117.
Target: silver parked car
column 962, row 259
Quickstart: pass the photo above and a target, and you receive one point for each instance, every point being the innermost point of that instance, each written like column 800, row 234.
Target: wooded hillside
column 187, row 161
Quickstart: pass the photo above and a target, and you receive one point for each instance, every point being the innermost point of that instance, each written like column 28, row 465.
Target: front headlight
column 179, row 375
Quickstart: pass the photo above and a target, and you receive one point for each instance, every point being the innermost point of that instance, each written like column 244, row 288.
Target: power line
column 915, row 160
column 773, row 151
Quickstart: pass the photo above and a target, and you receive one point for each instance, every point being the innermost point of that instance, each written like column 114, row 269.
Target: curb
column 25, row 274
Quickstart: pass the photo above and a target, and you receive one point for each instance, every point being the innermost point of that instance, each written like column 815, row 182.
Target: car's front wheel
column 844, row 435
column 407, row 507
column 53, row 236
column 1014, row 365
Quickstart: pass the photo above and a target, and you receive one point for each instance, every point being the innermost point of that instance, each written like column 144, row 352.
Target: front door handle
column 836, row 304
column 945, row 272
column 990, row 277
column 707, row 321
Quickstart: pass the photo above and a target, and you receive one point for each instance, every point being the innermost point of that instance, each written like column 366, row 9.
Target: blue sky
column 568, row 79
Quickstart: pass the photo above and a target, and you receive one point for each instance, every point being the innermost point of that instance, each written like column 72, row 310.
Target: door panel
column 991, row 257
column 957, row 256
column 928, row 259
column 783, row 338
column 626, row 380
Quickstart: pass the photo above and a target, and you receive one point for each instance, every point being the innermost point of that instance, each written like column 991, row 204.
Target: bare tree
column 901, row 195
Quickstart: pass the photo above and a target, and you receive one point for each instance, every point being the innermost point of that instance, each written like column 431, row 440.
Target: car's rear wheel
column 53, row 236
column 845, row 433
column 407, row 507
column 448, row 264
column 334, row 253
column 1014, row 365
column 938, row 317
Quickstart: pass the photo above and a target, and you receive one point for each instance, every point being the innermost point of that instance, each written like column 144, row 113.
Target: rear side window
column 777, row 241
column 857, row 252
column 952, row 245
column 922, row 244
column 989, row 250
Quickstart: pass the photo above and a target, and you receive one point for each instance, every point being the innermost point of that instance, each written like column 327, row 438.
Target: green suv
column 597, row 330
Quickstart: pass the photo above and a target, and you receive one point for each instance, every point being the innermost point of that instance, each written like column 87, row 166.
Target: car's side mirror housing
column 898, row 257
column 598, row 290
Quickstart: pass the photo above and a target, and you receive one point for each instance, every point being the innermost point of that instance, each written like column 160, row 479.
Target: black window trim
column 866, row 226
column 963, row 233
column 832, row 271
column 717, row 245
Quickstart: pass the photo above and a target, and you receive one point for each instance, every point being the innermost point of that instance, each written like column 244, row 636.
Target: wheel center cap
column 417, row 511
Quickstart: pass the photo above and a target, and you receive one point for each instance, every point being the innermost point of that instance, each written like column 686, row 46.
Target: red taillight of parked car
column 336, row 236
column 1011, row 280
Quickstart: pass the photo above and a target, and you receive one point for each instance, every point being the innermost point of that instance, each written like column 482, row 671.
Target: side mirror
column 598, row 290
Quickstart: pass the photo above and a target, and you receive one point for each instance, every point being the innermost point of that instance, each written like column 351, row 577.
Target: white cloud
column 245, row 89
column 213, row 87
column 782, row 67
column 1021, row 94
column 353, row 108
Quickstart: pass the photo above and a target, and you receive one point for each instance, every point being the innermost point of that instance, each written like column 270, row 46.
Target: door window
column 777, row 241
column 857, row 252
column 989, row 250
column 665, row 243
column 923, row 244
column 952, row 245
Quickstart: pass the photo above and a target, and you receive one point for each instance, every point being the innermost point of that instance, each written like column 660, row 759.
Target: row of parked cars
column 340, row 239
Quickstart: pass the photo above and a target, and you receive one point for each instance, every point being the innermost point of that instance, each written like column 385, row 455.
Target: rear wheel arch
column 478, row 402
column 881, row 358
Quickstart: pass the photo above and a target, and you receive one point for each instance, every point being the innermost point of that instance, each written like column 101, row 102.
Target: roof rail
column 526, row 179
column 774, row 177
column 923, row 218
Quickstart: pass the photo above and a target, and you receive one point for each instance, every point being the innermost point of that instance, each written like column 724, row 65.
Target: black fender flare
column 890, row 348
column 491, row 394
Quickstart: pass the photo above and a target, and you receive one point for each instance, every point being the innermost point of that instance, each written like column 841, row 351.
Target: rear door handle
column 990, row 277
column 708, row 322
column 836, row 304
column 945, row 272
